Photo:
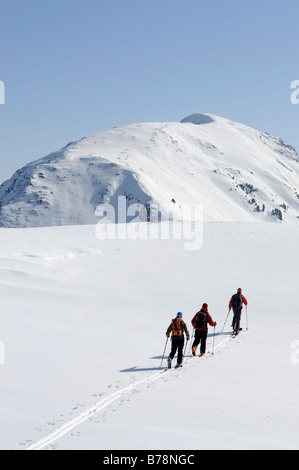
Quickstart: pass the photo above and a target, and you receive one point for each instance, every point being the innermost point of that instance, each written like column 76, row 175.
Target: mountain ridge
column 236, row 172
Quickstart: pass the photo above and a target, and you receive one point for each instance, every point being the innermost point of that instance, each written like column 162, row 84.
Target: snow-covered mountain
column 237, row 173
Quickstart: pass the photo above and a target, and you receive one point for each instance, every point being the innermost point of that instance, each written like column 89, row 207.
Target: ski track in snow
column 105, row 402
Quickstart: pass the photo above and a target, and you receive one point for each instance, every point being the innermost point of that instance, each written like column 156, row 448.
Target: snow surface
column 83, row 326
column 237, row 173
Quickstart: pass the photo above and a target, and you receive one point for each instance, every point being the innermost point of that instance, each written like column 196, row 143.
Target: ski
column 173, row 368
column 234, row 333
column 199, row 355
column 169, row 365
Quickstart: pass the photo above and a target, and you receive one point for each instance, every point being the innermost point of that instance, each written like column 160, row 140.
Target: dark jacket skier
column 200, row 323
column 236, row 303
column 177, row 328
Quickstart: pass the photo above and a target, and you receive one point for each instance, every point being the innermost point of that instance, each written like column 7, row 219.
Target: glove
column 167, row 335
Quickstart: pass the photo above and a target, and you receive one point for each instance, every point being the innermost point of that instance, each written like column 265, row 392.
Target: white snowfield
column 83, row 325
column 237, row 173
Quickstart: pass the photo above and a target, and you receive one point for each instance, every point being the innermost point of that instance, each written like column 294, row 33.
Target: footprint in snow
column 25, row 443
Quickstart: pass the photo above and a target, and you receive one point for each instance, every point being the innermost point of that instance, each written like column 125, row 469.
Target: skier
column 200, row 322
column 177, row 328
column 236, row 303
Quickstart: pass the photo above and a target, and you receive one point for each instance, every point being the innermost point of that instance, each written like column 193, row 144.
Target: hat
column 179, row 315
column 205, row 307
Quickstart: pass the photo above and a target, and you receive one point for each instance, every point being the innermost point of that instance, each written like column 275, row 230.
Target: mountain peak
column 198, row 119
column 237, row 173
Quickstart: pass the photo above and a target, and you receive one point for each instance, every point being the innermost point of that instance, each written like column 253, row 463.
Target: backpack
column 201, row 321
column 177, row 327
column 237, row 302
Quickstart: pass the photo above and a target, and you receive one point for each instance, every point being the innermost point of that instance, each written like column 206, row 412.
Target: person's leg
column 238, row 320
column 174, row 346
column 203, row 342
column 234, row 320
column 195, row 342
column 180, row 351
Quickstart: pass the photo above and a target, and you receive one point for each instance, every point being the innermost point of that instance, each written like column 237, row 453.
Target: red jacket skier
column 243, row 299
column 200, row 323
column 236, row 303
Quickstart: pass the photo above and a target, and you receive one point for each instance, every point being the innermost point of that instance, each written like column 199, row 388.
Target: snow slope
column 83, row 324
column 236, row 172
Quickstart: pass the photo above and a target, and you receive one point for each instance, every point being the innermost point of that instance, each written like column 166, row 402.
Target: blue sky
column 75, row 67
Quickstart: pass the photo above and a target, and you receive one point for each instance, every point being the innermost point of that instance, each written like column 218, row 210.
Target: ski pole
column 186, row 347
column 164, row 351
column 191, row 340
column 225, row 321
column 214, row 341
